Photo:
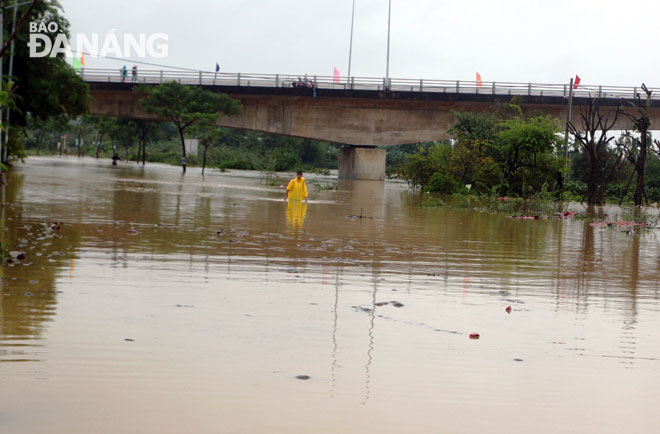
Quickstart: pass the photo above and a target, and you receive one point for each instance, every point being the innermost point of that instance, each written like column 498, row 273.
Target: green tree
column 46, row 86
column 207, row 136
column 473, row 126
column 528, row 143
column 185, row 105
column 419, row 167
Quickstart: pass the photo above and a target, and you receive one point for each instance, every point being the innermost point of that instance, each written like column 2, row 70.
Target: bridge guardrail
column 152, row 76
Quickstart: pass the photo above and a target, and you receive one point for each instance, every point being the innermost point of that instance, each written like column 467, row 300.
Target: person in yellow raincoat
column 297, row 188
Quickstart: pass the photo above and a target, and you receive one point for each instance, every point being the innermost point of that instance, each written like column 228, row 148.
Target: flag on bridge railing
column 75, row 63
column 478, row 80
column 336, row 77
column 217, row 67
column 576, row 82
column 82, row 59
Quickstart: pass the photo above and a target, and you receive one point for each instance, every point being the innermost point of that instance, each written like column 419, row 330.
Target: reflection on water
column 296, row 211
column 186, row 295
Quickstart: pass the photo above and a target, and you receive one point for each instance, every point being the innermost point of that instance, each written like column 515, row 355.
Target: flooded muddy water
column 151, row 302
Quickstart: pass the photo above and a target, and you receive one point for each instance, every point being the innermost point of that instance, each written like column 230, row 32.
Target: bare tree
column 601, row 162
column 636, row 149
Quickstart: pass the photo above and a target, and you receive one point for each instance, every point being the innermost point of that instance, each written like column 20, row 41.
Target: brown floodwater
column 151, row 302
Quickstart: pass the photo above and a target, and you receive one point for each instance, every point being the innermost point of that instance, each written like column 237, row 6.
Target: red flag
column 478, row 80
column 576, row 82
column 82, row 59
column 336, row 77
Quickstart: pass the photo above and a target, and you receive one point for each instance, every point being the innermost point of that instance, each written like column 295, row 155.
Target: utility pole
column 568, row 119
column 568, row 114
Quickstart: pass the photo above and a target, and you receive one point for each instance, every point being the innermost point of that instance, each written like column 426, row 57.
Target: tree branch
column 18, row 27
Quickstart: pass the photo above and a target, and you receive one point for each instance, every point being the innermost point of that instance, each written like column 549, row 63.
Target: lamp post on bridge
column 387, row 65
column 350, row 47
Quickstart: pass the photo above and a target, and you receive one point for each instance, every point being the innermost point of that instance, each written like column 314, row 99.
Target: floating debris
column 129, row 340
column 17, row 254
column 565, row 214
column 619, row 223
column 132, row 232
column 508, row 309
column 303, row 377
column 396, row 303
column 361, row 216
column 474, row 335
column 529, row 217
column 354, row 217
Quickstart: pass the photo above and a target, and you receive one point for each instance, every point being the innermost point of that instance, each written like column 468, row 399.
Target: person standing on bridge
column 134, row 72
column 123, row 73
column 297, row 188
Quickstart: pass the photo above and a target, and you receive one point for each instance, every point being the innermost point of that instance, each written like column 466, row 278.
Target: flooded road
column 151, row 302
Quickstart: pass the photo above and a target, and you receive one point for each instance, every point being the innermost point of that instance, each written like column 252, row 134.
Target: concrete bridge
column 359, row 113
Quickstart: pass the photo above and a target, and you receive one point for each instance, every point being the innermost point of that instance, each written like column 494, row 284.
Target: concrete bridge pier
column 362, row 162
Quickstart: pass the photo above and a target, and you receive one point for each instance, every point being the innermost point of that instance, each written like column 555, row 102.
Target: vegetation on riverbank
column 231, row 149
column 510, row 153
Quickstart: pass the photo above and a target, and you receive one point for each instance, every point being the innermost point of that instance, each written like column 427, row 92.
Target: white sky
column 608, row 42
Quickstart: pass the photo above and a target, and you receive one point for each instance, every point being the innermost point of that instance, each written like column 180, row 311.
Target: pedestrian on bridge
column 297, row 188
column 124, row 73
column 134, row 72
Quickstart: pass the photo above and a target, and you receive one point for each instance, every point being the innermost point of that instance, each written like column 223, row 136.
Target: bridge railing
column 152, row 76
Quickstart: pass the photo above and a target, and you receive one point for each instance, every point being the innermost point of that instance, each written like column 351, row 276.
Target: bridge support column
column 360, row 162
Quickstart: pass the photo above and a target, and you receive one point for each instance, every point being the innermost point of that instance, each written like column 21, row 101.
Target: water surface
column 151, row 302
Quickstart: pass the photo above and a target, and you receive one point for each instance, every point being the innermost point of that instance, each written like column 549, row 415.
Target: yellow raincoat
column 297, row 189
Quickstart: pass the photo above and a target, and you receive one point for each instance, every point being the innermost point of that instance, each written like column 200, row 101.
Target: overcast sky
column 609, row 42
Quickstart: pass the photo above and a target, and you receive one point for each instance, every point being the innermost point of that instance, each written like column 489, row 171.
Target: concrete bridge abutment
column 362, row 162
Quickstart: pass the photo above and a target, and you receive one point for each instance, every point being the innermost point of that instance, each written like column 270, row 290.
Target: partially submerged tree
column 185, row 106
column 528, row 143
column 104, row 127
column 636, row 149
column 419, row 167
column 207, row 135
column 593, row 137
column 124, row 132
column 144, row 127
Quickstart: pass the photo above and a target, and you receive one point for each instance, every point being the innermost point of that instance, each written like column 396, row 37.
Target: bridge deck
column 415, row 89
